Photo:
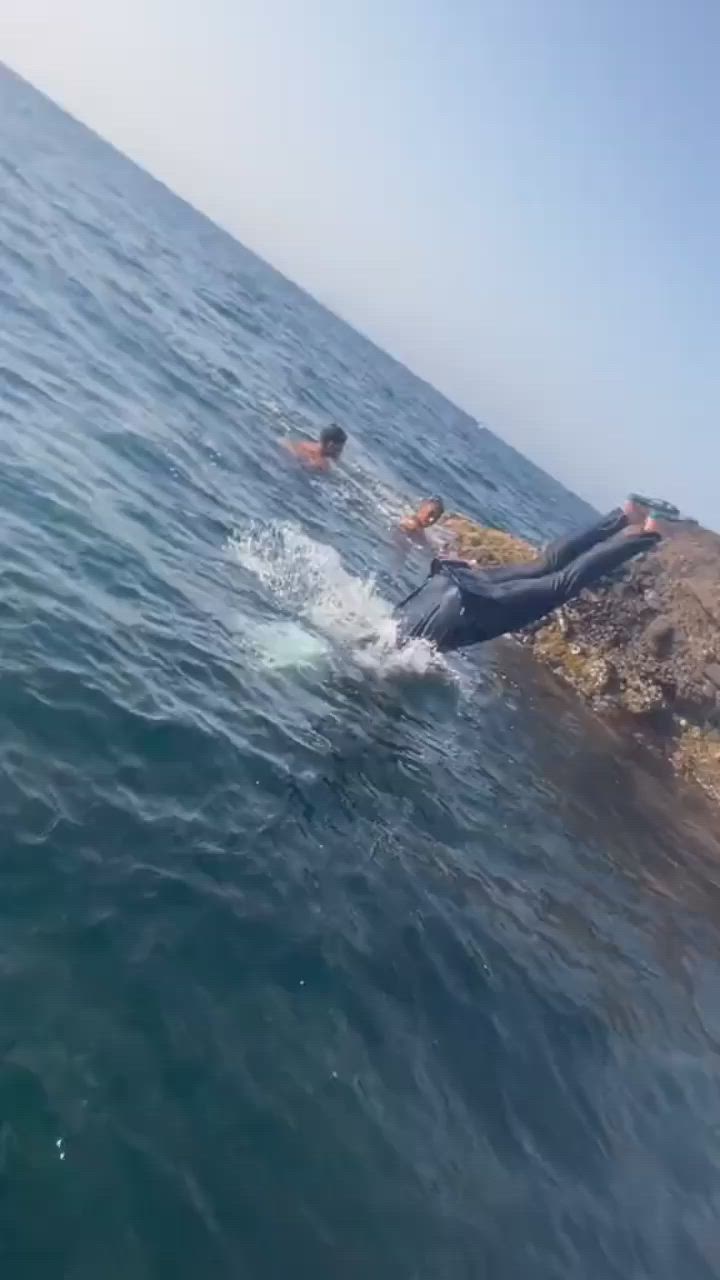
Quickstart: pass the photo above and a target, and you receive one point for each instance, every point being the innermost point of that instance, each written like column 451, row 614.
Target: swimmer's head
column 332, row 441
column 429, row 512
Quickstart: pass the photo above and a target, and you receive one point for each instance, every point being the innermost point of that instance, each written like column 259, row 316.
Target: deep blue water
column 312, row 963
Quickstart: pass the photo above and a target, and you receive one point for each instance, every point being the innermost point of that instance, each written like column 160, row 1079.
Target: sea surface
column 315, row 960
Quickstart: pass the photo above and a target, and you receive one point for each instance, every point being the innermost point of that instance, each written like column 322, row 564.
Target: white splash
column 287, row 645
column 310, row 579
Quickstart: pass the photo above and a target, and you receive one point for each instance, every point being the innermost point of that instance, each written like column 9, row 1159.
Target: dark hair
column 333, row 435
column 437, row 503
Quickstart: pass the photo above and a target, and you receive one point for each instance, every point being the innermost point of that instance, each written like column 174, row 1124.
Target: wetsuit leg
column 431, row 613
column 518, row 603
column 556, row 555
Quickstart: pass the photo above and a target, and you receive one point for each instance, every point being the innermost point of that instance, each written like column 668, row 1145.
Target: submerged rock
column 646, row 643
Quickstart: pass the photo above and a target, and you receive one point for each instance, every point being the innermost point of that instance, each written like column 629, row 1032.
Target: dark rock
column 660, row 636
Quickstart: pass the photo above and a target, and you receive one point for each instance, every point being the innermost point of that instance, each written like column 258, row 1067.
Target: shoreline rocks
column 647, row 643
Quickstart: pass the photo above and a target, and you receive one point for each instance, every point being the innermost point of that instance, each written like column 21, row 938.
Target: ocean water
column 315, row 961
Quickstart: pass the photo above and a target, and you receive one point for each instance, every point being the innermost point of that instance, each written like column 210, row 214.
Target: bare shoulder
column 307, row 453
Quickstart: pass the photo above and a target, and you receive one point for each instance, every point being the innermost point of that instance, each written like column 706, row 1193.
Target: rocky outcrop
column 647, row 643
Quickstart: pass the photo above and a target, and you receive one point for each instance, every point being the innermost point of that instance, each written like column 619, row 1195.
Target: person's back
column 461, row 606
column 486, row 610
column 317, row 455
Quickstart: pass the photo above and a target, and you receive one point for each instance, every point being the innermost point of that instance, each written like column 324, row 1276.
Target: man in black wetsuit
column 460, row 604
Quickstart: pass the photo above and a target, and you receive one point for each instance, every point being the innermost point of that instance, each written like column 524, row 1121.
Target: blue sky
column 518, row 198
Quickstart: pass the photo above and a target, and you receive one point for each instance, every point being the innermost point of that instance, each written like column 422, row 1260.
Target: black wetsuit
column 458, row 605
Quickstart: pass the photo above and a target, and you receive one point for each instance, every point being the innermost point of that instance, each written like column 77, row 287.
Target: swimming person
column 461, row 604
column 427, row 514
column 318, row 454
